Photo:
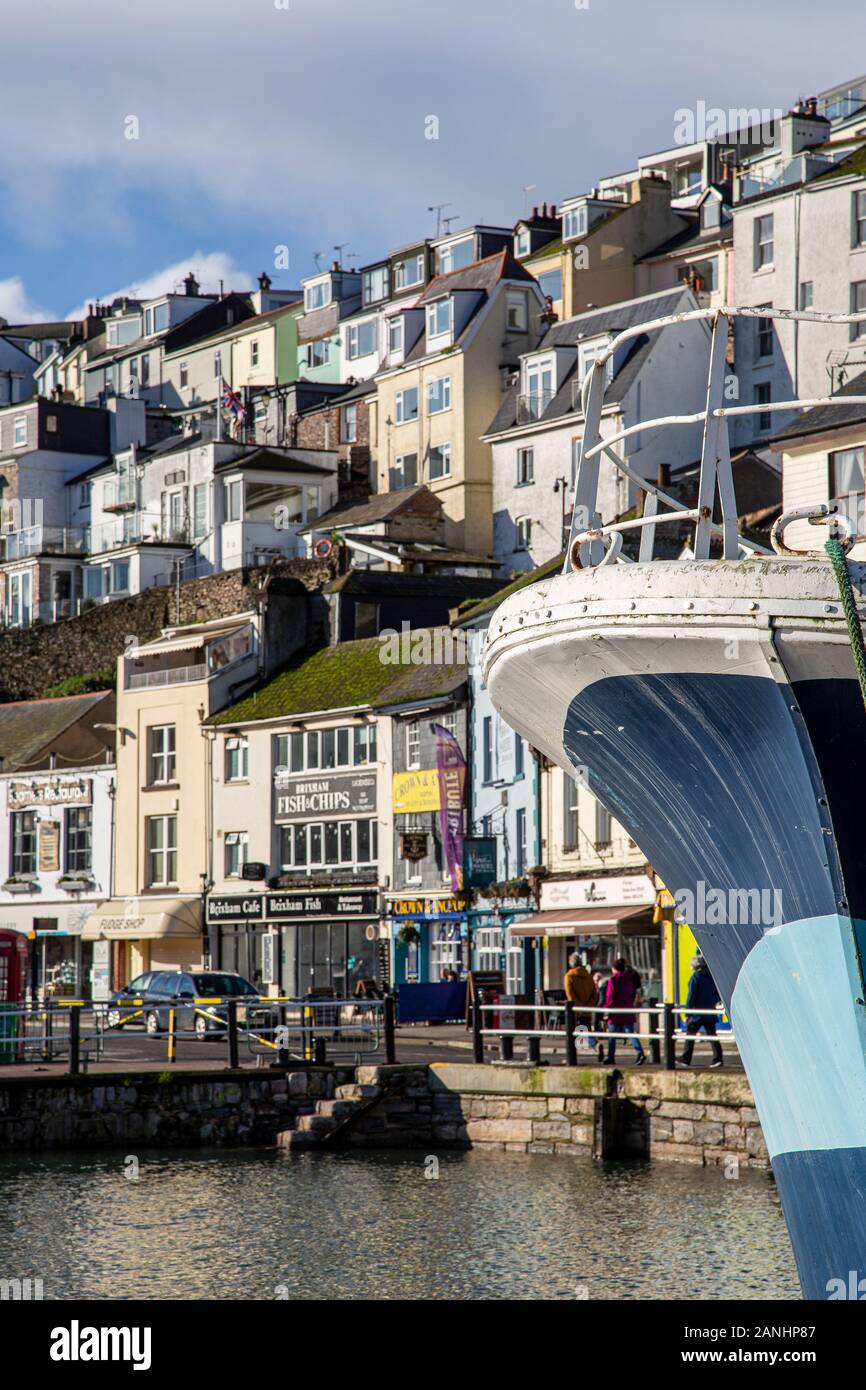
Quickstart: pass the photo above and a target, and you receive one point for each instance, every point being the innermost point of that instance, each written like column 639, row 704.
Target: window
column 254, row 352
column 119, row 577
column 199, row 510
column 407, row 405
column 184, row 375
column 236, row 852
column 349, row 422
column 439, row 317
column 858, row 219
column 317, row 296
column 763, row 242
column 163, row 754
column 161, row 851
column 520, row 842
column 550, row 284
column 408, row 272
column 711, row 214
column 232, row 499
column 516, row 312
column 404, row 473
column 570, row 815
column 24, row 842
column 319, row 353
column 84, row 491
column 487, row 750
column 348, row 746
column 376, row 284
column 327, row 845
column 522, row 242
column 19, row 594
column 858, row 306
column 145, row 369
column 574, row 223
column 79, row 839
column 523, row 533
column 846, row 471
column 237, row 759
column 95, row 582
column 438, row 461
column 438, row 395
column 804, row 298
column 762, row 397
column 539, row 387
column 518, row 756
column 764, row 335
column 361, row 339
column 395, row 336
column 525, row 466
column 19, row 438
column 413, row 746
column 602, row 827
column 456, row 255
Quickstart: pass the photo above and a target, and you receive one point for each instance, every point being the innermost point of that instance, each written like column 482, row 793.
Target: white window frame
column 400, row 405
column 444, row 452
column 516, row 311
column 161, row 755
column 396, row 335
column 353, row 339
column 574, row 223
column 763, row 260
column 525, row 466
column 161, row 859
column 237, row 744
column 443, row 392
column 398, row 472
column 401, row 281
column 433, row 315
column 317, row 296
column 446, row 255
column 522, row 532
column 19, row 432
column 858, row 218
column 349, row 423
column 233, row 490
column 236, row 844
column 413, row 746
column 522, row 242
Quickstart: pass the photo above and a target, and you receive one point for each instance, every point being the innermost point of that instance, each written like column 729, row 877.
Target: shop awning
column 584, row 921
column 143, row 919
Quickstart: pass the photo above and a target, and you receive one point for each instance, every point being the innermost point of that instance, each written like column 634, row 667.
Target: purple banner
column 451, row 766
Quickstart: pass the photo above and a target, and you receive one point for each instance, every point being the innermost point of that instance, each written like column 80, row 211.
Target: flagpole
column 219, row 409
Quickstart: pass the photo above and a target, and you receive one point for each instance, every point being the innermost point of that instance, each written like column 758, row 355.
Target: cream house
column 823, row 456
column 443, row 382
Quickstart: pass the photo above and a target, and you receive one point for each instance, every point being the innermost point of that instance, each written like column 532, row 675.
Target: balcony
column 800, row 169
column 41, row 540
column 143, row 528
column 533, row 405
column 119, row 495
column 172, row 675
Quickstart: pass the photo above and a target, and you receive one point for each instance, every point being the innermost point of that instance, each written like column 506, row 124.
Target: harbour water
column 261, row 1225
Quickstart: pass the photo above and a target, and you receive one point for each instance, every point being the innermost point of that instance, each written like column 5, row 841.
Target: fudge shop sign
column 351, row 793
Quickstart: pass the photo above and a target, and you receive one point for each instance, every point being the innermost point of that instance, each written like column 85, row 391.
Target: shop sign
column 236, row 908
column 479, row 861
column 349, row 793
column 428, row 906
column 416, row 791
column 282, row 906
column 413, row 845
column 49, row 847
column 619, row 891
column 75, row 791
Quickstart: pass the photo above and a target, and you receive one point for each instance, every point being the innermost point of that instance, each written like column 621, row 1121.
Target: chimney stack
column 191, row 285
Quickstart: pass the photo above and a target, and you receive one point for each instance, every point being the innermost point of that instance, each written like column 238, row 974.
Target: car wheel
column 201, row 1031
column 151, row 1023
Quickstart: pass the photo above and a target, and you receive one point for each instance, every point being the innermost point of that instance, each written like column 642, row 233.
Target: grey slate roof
column 363, row 511
column 28, row 726
column 828, row 417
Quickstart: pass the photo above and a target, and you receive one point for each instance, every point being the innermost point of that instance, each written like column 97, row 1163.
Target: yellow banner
column 415, row 791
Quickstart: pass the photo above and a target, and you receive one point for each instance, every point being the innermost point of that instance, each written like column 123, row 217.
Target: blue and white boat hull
column 715, row 711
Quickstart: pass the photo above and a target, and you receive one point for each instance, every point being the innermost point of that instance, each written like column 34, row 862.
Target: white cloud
column 16, row 306
column 209, row 269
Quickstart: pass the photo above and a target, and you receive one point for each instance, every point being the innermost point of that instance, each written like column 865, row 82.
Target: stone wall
column 34, row 659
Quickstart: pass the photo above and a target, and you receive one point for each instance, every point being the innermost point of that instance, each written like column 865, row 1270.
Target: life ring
column 323, row 548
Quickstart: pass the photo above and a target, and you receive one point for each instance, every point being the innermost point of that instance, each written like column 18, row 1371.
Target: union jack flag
column 233, row 402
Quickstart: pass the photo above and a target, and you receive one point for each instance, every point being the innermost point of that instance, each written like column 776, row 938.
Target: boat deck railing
column 592, row 542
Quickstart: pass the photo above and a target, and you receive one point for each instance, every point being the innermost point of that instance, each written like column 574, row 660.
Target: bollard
column 307, row 1033
column 570, row 1042
column 670, row 1046
column 172, row 1038
column 233, row 1033
column 74, row 1042
column 506, row 1047
column 533, row 1050
column 319, row 1054
column 477, row 1039
column 49, row 1035
column 390, row 1021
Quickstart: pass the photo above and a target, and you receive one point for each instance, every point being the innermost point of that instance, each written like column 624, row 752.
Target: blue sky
column 261, row 125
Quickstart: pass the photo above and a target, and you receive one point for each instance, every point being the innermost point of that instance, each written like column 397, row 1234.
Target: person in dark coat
column 702, row 994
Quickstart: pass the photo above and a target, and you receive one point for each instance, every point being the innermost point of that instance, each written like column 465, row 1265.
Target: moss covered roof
column 352, row 675
column 854, row 163
column 468, row 612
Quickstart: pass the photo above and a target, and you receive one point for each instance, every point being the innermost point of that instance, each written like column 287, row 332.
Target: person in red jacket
column 620, row 994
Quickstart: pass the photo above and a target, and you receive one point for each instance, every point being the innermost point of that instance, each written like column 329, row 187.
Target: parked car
column 162, row 990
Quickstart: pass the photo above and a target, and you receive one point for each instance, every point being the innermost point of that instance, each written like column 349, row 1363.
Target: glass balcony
column 800, row 169
column 533, row 405
column 41, row 540
column 118, row 495
column 140, row 528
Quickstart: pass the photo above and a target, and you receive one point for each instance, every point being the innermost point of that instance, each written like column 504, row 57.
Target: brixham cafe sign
column 349, row 793
column 284, row 907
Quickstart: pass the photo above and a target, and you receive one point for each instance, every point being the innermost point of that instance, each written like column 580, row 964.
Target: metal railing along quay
column 279, row 1031
column 563, row 1024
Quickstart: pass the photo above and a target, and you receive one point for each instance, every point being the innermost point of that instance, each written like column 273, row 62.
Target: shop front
column 430, row 935
column 60, row 960
column 297, row 943
column 600, row 918
column 130, row 935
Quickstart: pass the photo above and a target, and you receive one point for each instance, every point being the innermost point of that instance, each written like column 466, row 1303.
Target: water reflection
column 244, row 1225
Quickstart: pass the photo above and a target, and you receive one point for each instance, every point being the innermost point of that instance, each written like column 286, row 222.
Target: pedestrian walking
column 621, row 994
column 702, row 994
column 580, row 989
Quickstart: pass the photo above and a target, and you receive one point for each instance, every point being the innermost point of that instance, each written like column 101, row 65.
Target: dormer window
column 522, row 242
column 539, row 389
column 574, row 223
column 317, row 296
column 395, row 336
column 456, row 255
column 376, row 284
column 361, row 339
column 440, row 318
column 711, row 214
column 408, row 272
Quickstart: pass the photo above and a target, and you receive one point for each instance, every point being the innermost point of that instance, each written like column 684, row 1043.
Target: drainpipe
column 796, row 302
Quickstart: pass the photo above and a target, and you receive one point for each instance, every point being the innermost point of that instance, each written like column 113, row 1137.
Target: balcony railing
column 41, row 540
column 533, row 405
column 177, row 675
column 140, row 529
column 797, row 170
column 119, row 496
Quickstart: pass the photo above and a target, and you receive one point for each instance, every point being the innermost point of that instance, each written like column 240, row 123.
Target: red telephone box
column 13, row 967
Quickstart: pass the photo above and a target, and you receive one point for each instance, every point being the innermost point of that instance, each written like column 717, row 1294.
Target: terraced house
column 461, row 343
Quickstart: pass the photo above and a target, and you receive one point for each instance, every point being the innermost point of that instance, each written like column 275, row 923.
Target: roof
column 246, row 325
column 456, row 587
column 614, row 319
column 363, row 511
column 28, row 726
column 468, row 613
column 828, row 417
column 691, row 238
column 273, row 461
column 347, row 676
column 481, row 275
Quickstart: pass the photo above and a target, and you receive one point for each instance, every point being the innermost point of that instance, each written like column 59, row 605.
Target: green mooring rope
column 836, row 553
